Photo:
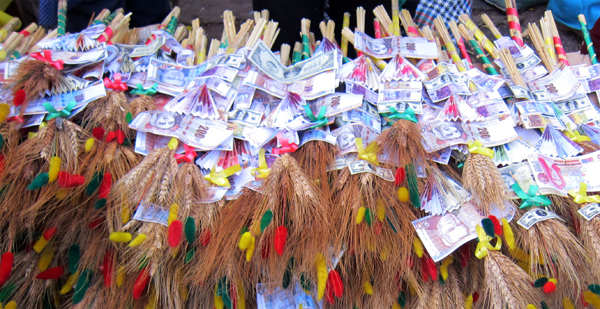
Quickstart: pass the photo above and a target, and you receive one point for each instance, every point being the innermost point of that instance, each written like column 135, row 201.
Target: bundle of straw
column 513, row 21
column 441, row 28
column 483, row 59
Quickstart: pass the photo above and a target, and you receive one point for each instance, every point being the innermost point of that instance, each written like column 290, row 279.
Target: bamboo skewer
column 460, row 42
column 587, row 38
column 62, row 17
column 538, row 43
column 548, row 41
column 514, row 25
column 488, row 22
column 445, row 36
column 395, row 17
column 428, row 33
column 384, row 19
column 9, row 28
column 511, row 67
column 284, row 54
column 478, row 34
column 304, row 34
column 214, row 48
column 297, row 53
column 483, row 59
column 360, row 23
column 345, row 24
column 258, row 30
column 408, row 23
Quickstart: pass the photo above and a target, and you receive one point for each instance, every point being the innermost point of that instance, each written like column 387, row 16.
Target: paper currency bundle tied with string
column 445, row 166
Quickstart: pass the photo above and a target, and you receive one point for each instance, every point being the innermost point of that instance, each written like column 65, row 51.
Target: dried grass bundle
column 401, row 144
column 315, row 157
column 142, row 103
column 108, row 112
column 35, row 78
column 482, row 178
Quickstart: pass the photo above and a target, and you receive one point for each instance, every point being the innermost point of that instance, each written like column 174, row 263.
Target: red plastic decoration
column 336, row 283
column 497, row 226
column 49, row 233
column 280, row 239
column 46, row 56
column 19, row 97
column 105, row 185
column 205, row 237
column 329, row 293
column 140, row 283
column 107, row 265
column 6, row 267
column 174, row 235
column 400, row 176
column 52, row 273
column 98, row 133
column 66, row 180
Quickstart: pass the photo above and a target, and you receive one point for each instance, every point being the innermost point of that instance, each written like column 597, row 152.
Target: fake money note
column 589, row 211
column 536, row 215
column 560, row 84
column 362, row 166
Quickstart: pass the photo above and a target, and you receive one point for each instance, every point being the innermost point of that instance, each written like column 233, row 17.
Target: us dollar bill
column 400, row 107
column 230, row 60
column 134, row 51
column 337, row 103
column 589, row 211
column 362, row 166
column 536, row 215
column 268, row 63
column 245, row 117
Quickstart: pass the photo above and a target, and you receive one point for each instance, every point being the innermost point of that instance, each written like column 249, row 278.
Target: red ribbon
column 286, row 146
column 108, row 33
column 25, row 33
column 119, row 135
column 47, row 57
column 17, row 118
column 117, row 85
column 188, row 157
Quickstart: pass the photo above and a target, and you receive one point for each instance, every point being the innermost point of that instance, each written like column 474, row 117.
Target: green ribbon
column 530, row 198
column 64, row 113
column 141, row 91
column 319, row 120
column 408, row 114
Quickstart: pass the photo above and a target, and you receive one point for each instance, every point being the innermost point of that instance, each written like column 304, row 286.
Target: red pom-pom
column 475, row 297
column 174, row 235
column 107, row 265
column 431, row 269
column 205, row 237
column 280, row 239
column 66, row 180
column 110, row 136
column 140, row 283
column 96, row 222
column 105, row 185
column 329, row 293
column 378, row 228
column 98, row 133
column 464, row 253
column 5, row 267
column 19, row 97
column 77, row 180
column 265, row 250
column 336, row 283
column 120, row 136
column 549, row 287
column 497, row 226
column 52, row 273
column 424, row 271
column 400, row 176
column 49, row 233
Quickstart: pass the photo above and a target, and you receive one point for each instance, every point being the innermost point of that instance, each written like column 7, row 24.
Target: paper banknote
column 172, row 78
column 589, row 211
column 362, row 166
column 346, row 137
column 561, row 84
column 536, row 215
column 388, row 47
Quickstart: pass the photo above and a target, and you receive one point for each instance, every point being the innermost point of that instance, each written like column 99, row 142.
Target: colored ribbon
column 64, row 113
column 116, row 85
column 582, row 197
column 369, row 153
column 530, row 198
column 188, row 157
column 477, row 147
column 319, row 120
column 141, row 91
column 47, row 57
column 262, row 171
column 408, row 114
column 484, row 243
column 286, row 146
column 220, row 178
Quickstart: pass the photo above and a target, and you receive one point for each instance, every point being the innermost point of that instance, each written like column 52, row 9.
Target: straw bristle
column 482, row 178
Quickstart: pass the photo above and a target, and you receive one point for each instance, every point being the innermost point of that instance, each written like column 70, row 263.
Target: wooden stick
column 409, row 24
column 384, row 19
column 511, row 67
column 481, row 38
column 305, row 29
column 441, row 28
column 284, row 54
column 488, row 22
column 62, row 17
column 538, row 43
column 483, row 59
column 560, row 51
column 513, row 21
column 297, row 54
column 395, row 17
column 9, row 28
column 345, row 24
column 214, row 48
column 587, row 38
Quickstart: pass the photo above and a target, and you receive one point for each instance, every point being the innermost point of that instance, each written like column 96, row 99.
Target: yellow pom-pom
column 592, row 299
column 245, row 241
column 360, row 215
column 321, row 275
column 241, row 295
column 120, row 276
column 219, row 304
column 138, row 240
column 125, row 215
column 403, row 194
column 444, row 272
column 173, row 143
column 89, row 144
column 396, row 306
column 530, row 306
column 508, row 234
column 250, row 249
column 69, row 284
column 31, row 135
column 469, row 302
column 418, row 246
column 120, row 237
column 383, row 255
column 183, row 291
column 380, row 212
column 46, row 258
column 40, row 244
column 448, row 260
column 173, row 212
column 61, row 194
column 567, row 303
column 4, row 111
column 368, row 288
column 54, row 169
column 11, row 305
column 553, row 280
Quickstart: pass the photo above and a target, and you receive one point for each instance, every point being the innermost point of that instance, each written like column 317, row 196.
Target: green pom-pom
column 128, row 117
column 595, row 288
column 287, row 275
column 126, row 142
column 190, row 230
column 266, row 220
column 368, row 217
column 540, row 282
column 39, row 181
column 100, row 203
column 94, row 183
column 488, row 226
column 441, row 279
column 244, row 230
column 1, row 141
column 83, row 283
column 7, row 291
column 305, row 282
column 402, row 299
column 74, row 255
column 223, row 291
column 413, row 185
column 189, row 255
column 544, row 305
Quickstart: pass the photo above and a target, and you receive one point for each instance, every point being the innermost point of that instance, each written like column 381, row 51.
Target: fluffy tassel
column 488, row 227
column 107, row 264
column 174, row 235
column 321, row 275
column 280, row 239
column 83, row 283
column 497, row 226
column 74, row 255
column 105, row 185
column 140, row 283
column 6, row 265
column 266, row 220
column 190, row 230
column 52, row 273
column 336, row 283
